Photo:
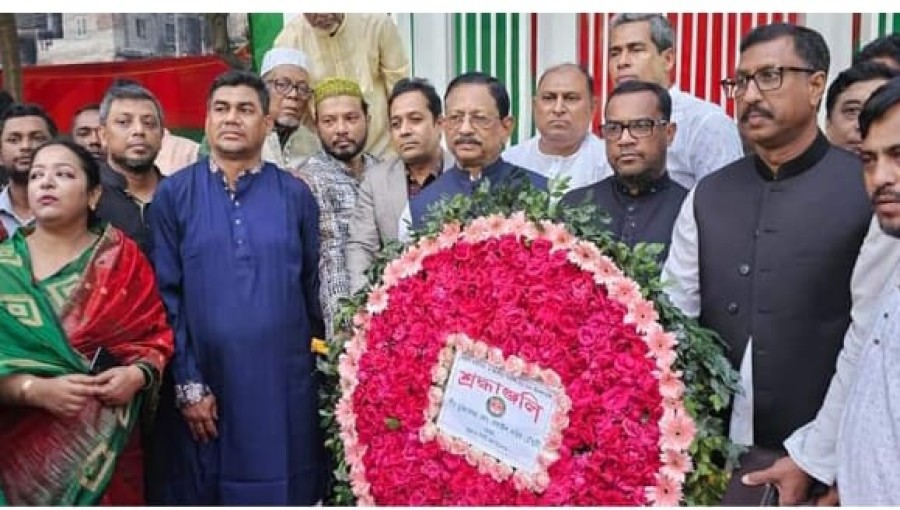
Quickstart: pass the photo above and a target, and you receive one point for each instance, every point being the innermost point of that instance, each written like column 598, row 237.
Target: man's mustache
column 466, row 139
column 758, row 110
column 885, row 194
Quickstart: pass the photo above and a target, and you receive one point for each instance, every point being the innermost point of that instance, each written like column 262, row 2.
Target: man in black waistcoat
column 763, row 249
column 640, row 198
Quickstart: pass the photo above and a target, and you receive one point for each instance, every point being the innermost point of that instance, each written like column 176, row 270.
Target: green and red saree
column 107, row 297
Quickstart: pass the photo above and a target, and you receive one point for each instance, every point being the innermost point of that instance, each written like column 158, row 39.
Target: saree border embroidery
column 9, row 257
column 97, row 467
column 23, row 308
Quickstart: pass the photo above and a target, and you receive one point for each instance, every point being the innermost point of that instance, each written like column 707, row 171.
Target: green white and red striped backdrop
column 517, row 47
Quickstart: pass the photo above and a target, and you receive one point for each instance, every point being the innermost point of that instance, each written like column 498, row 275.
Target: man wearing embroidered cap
column 334, row 174
column 292, row 140
column 365, row 47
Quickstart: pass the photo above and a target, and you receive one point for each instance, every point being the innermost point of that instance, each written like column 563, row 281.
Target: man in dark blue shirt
column 640, row 198
column 476, row 126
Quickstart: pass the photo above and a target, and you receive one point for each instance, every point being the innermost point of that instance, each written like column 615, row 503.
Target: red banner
column 180, row 84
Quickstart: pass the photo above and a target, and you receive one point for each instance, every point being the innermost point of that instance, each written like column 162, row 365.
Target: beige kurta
column 366, row 48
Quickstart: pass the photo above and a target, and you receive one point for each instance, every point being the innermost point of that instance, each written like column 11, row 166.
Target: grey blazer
column 381, row 200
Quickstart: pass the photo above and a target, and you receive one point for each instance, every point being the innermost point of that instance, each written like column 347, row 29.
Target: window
column 140, row 27
column 80, row 27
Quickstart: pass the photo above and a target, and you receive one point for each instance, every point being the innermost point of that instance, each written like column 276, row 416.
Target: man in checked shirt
column 334, row 174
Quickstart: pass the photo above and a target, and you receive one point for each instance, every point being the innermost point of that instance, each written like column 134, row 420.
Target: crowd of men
column 309, row 168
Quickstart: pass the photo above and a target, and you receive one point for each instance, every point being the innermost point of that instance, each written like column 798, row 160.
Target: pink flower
column 435, row 394
column 514, row 365
column 624, row 290
column 449, row 235
column 541, row 481
column 429, row 246
column 533, row 370
column 560, row 419
column 496, row 225
column 585, row 255
column 479, row 350
column 378, row 301
column 356, row 347
column 547, row 457
column 677, row 431
column 660, row 341
column 666, row 492
column 670, row 384
column 411, row 261
column 516, row 223
column 344, row 413
column 495, row 470
column 551, row 378
column 606, row 271
column 557, row 234
column 642, row 314
column 393, row 273
column 428, row 432
column 478, row 230
column 439, row 373
column 676, row 465
column 664, row 359
column 495, row 357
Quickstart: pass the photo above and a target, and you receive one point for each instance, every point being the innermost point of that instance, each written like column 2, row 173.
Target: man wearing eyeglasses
column 476, row 127
column 763, row 249
column 642, row 47
column 641, row 199
column 293, row 139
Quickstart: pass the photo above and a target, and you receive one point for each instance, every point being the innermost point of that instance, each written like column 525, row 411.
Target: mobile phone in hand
column 102, row 361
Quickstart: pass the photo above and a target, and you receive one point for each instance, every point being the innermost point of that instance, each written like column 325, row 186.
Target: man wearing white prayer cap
column 293, row 139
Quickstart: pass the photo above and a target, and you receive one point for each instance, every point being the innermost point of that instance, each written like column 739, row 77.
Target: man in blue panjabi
column 236, row 250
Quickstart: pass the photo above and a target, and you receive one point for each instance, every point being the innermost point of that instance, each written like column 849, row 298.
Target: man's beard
column 135, row 165
column 18, row 177
column 346, row 155
column 640, row 181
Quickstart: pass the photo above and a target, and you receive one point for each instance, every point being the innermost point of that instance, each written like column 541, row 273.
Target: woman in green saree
column 73, row 292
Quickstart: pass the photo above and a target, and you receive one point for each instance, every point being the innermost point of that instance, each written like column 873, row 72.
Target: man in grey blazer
column 414, row 109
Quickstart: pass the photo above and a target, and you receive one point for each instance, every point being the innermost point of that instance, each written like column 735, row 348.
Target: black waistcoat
column 776, row 256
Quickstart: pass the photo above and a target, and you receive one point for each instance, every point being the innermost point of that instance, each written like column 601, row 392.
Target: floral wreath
column 505, row 357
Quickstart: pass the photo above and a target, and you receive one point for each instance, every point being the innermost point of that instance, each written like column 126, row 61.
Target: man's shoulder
column 593, row 190
column 517, row 153
column 384, row 169
column 180, row 178
column 687, row 106
column 739, row 169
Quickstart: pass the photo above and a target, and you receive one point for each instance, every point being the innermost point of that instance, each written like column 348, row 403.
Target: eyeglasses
column 285, row 86
column 480, row 121
column 767, row 78
column 640, row 128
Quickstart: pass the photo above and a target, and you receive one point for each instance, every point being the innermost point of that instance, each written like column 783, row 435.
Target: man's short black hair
column 809, row 44
column 864, row 71
column 86, row 108
column 883, row 99
column 27, row 110
column 6, row 100
column 663, row 99
column 235, row 78
column 496, row 88
column 418, row 85
column 887, row 46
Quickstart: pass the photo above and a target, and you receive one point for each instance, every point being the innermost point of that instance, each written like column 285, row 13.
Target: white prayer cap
column 281, row 56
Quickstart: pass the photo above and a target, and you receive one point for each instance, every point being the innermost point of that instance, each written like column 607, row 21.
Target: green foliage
column 708, row 376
